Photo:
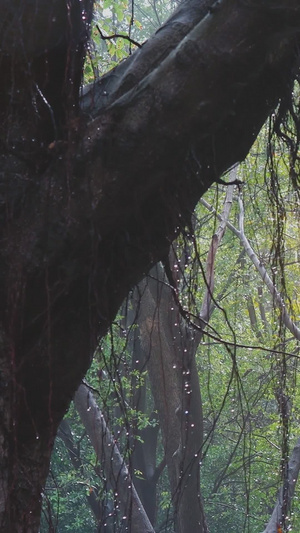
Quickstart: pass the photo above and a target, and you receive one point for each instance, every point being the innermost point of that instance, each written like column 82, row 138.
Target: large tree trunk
column 89, row 201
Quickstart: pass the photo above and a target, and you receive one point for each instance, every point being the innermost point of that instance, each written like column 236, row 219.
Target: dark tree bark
column 90, row 200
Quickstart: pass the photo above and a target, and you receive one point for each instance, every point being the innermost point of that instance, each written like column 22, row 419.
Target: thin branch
column 117, row 35
column 278, row 300
column 210, row 262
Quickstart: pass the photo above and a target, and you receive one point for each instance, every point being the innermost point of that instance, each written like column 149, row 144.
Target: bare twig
column 118, row 35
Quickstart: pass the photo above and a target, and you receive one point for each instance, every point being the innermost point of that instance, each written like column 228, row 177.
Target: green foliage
column 65, row 503
column 246, row 444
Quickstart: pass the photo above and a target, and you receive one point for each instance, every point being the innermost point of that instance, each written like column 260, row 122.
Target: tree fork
column 88, row 206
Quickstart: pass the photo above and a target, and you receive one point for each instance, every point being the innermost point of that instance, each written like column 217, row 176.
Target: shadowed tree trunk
column 90, row 200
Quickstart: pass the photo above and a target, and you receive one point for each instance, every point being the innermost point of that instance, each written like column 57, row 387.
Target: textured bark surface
column 89, row 201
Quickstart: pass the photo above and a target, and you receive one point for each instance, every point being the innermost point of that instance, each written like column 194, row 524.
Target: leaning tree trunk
column 89, row 201
column 126, row 500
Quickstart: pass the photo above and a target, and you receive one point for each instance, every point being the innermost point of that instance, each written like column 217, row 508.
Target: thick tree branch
column 129, row 73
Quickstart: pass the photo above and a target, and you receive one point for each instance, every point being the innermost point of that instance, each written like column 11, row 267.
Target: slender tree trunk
column 144, row 453
column 279, row 512
column 175, row 386
column 23, row 471
column 170, row 348
column 127, row 503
